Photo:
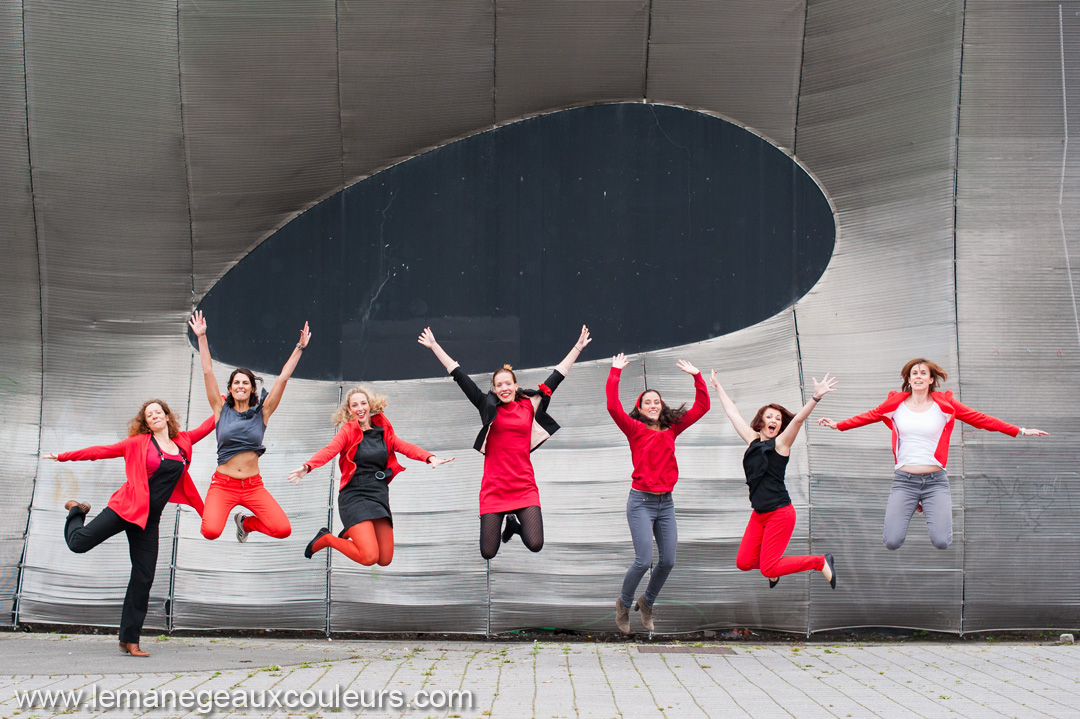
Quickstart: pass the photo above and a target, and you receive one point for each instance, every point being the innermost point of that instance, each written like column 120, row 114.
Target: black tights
column 491, row 530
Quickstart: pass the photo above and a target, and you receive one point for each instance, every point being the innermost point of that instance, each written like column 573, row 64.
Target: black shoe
column 829, row 561
column 513, row 526
column 774, row 582
column 309, row 549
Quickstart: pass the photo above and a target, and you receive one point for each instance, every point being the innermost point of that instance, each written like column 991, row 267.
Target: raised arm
column 213, row 394
column 785, row 439
column 614, row 407
column 568, row 361
column 274, row 398
column 427, row 338
column 701, row 399
column 748, row 435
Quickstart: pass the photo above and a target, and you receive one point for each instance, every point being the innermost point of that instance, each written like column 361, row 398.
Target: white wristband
column 1021, row 432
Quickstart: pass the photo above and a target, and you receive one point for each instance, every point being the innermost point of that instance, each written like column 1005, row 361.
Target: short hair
column 759, row 419
column 937, row 374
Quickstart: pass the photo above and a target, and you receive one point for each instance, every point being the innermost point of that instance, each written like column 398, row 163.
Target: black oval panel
column 656, row 226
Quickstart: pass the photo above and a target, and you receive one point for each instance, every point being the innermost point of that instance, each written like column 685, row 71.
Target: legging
column 764, row 541
column 908, row 490
column 369, row 542
column 226, row 492
column 143, row 549
column 650, row 515
column 531, row 529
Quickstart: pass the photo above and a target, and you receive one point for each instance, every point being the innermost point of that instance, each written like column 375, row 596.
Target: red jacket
column 949, row 405
column 349, row 437
column 653, row 451
column 132, row 500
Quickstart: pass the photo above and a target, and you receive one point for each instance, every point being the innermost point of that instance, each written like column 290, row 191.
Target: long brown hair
column 138, row 424
column 667, row 417
column 253, row 398
column 759, row 419
column 937, row 375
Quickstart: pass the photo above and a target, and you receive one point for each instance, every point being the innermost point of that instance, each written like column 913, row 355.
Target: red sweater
column 653, row 451
column 949, row 405
column 132, row 500
column 349, row 437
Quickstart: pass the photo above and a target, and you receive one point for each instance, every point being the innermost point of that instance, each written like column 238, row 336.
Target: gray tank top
column 240, row 431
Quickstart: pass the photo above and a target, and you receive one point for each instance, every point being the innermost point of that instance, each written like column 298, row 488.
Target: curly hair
column 376, row 402
column 759, row 419
column 254, row 386
column 510, row 371
column 668, row 416
column 138, row 424
column 937, row 374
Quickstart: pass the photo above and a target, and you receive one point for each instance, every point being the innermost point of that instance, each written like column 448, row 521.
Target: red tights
column 367, row 543
column 764, row 541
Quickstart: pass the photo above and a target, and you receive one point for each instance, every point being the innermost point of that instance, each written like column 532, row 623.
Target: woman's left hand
column 1035, row 433
column 51, row 455
column 305, row 336
column 434, row 461
column 686, row 367
column 297, row 474
column 826, row 385
column 583, row 340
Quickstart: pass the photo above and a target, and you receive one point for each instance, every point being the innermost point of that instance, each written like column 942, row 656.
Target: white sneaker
column 241, row 533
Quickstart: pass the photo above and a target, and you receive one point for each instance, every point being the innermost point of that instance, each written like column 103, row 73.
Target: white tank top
column 918, row 434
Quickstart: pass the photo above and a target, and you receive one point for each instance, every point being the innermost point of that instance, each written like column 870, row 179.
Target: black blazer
column 488, row 403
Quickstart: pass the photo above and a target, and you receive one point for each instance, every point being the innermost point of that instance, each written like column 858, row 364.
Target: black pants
column 143, row 548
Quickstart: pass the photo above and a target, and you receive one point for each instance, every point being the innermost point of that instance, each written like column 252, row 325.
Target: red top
column 949, row 405
column 509, row 482
column 349, row 437
column 653, row 451
column 132, row 500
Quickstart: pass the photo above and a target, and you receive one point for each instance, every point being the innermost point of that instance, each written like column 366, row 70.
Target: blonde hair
column 376, row 402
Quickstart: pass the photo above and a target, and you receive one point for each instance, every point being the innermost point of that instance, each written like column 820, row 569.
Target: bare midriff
column 240, row 466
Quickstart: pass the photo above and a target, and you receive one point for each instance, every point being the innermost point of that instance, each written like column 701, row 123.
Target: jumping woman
column 156, row 459
column 241, row 422
column 651, row 428
column 770, row 435
column 366, row 446
column 515, row 422
column 921, row 420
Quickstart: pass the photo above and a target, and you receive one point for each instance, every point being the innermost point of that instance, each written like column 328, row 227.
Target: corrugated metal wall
column 149, row 146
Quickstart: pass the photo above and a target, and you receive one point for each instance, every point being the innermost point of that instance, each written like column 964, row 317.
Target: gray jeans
column 908, row 490
column 649, row 515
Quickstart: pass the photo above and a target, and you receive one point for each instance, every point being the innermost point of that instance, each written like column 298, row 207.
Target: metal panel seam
column 956, row 289
column 798, row 90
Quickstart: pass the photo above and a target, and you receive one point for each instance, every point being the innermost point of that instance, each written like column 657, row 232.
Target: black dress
column 367, row 495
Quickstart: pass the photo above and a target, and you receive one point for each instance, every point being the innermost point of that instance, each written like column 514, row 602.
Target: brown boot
column 646, row 613
column 76, row 503
column 622, row 617
column 132, row 648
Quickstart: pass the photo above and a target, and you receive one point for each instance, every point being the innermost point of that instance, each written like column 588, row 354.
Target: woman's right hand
column 51, row 455
column 297, row 474
column 427, row 338
column 197, row 323
column 826, row 422
column 714, row 381
column 619, row 361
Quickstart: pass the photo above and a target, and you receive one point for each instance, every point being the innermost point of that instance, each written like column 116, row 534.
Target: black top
column 371, row 455
column 163, row 481
column 765, row 468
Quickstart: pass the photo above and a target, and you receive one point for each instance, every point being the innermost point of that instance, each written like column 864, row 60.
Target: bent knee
column 745, row 565
column 535, row 546
column 280, row 532
column 893, row 543
column 210, row 533
column 941, row 542
column 665, row 565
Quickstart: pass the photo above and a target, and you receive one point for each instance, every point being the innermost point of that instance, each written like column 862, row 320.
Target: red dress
column 509, row 482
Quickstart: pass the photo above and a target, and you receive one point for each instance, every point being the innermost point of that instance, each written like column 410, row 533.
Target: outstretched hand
column 686, row 367
column 197, row 323
column 1035, row 433
column 826, row 422
column 51, row 455
column 427, row 338
column 297, row 474
column 305, row 336
column 619, row 361
column 583, row 340
column 826, row 385
column 434, row 461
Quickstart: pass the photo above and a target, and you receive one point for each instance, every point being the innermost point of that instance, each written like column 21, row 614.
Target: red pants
column 764, row 541
column 226, row 492
column 366, row 543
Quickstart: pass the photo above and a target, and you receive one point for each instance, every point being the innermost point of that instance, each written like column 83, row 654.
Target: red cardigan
column 653, row 451
column 349, row 437
column 132, row 500
column 949, row 405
